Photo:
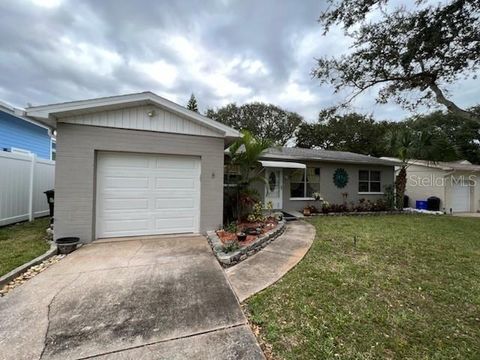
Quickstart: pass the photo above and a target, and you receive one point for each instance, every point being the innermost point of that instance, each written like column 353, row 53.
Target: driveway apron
column 164, row 297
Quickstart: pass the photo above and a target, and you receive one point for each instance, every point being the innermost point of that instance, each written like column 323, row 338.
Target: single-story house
column 295, row 174
column 20, row 134
column 456, row 184
column 135, row 164
column 139, row 164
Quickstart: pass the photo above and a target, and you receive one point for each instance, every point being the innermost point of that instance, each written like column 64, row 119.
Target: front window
column 304, row 182
column 369, row 181
column 53, row 155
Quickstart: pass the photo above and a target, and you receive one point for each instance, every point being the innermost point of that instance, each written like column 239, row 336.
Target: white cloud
column 162, row 72
column 203, row 66
column 88, row 56
column 253, row 67
column 47, row 3
column 293, row 92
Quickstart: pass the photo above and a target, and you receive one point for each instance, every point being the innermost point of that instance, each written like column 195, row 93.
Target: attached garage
column 143, row 194
column 135, row 165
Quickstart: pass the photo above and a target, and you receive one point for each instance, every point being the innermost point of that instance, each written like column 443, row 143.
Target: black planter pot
column 241, row 236
column 66, row 245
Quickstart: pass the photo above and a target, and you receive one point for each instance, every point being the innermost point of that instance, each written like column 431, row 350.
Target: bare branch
column 450, row 105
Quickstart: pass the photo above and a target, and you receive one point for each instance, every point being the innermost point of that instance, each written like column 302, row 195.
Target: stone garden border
column 234, row 257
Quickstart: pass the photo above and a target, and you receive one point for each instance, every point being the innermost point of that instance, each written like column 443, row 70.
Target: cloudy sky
column 223, row 51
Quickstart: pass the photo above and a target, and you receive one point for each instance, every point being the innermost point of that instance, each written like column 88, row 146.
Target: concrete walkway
column 270, row 264
column 164, row 298
column 469, row 214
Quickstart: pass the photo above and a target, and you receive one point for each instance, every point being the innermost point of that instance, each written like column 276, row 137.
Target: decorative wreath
column 340, row 178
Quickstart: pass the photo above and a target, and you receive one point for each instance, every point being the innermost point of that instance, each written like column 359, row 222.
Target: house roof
column 49, row 114
column 323, row 155
column 20, row 114
column 461, row 165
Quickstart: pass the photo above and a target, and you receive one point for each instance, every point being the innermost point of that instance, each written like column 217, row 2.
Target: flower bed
column 229, row 251
column 256, row 229
column 363, row 206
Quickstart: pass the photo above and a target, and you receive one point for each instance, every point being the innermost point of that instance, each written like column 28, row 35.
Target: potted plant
column 66, row 245
column 241, row 236
column 317, row 196
column 306, row 211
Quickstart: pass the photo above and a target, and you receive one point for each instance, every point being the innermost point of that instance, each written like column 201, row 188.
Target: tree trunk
column 400, row 185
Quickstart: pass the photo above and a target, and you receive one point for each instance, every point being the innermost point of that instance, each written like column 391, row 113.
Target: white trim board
column 49, row 114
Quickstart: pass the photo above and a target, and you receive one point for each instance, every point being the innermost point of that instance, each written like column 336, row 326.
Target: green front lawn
column 21, row 243
column 409, row 289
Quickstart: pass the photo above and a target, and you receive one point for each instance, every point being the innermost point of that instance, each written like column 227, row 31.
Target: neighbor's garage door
column 461, row 197
column 141, row 194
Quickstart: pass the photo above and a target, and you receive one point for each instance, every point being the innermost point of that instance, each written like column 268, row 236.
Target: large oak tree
column 349, row 132
column 409, row 55
column 264, row 121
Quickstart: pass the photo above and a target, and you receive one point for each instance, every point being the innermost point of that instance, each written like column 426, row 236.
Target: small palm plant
column 408, row 145
column 244, row 155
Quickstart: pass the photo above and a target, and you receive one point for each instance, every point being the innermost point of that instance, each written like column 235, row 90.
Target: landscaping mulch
column 266, row 226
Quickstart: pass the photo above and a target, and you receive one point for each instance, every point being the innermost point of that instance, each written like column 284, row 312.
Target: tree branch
column 450, row 105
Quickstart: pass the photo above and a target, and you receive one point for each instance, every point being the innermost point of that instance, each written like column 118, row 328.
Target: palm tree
column 407, row 145
column 243, row 157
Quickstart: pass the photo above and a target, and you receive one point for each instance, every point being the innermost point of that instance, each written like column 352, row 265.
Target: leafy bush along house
column 295, row 175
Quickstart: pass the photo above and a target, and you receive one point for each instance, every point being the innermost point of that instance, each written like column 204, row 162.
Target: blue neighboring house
column 20, row 134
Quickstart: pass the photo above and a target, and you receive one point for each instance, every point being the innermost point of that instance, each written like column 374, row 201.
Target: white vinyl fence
column 23, row 179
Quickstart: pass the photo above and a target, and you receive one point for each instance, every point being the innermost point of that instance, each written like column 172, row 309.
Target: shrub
column 231, row 227
column 338, row 208
column 257, row 213
column 390, row 197
column 380, row 205
column 231, row 246
column 325, row 207
column 313, row 209
column 363, row 205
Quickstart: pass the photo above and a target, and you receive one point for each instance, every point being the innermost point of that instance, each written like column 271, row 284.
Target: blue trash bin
column 421, row 204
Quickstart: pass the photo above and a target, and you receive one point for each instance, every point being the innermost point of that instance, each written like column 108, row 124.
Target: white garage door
column 461, row 197
column 142, row 194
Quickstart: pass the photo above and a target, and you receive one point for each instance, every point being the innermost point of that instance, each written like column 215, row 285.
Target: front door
column 274, row 186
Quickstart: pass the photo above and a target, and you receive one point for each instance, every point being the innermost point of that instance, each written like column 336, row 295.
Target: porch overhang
column 282, row 164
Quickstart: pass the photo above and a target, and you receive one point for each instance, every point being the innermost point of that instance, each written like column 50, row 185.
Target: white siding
column 423, row 182
column 15, row 186
column 137, row 118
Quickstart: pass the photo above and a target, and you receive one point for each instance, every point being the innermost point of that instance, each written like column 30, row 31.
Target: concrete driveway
column 150, row 298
